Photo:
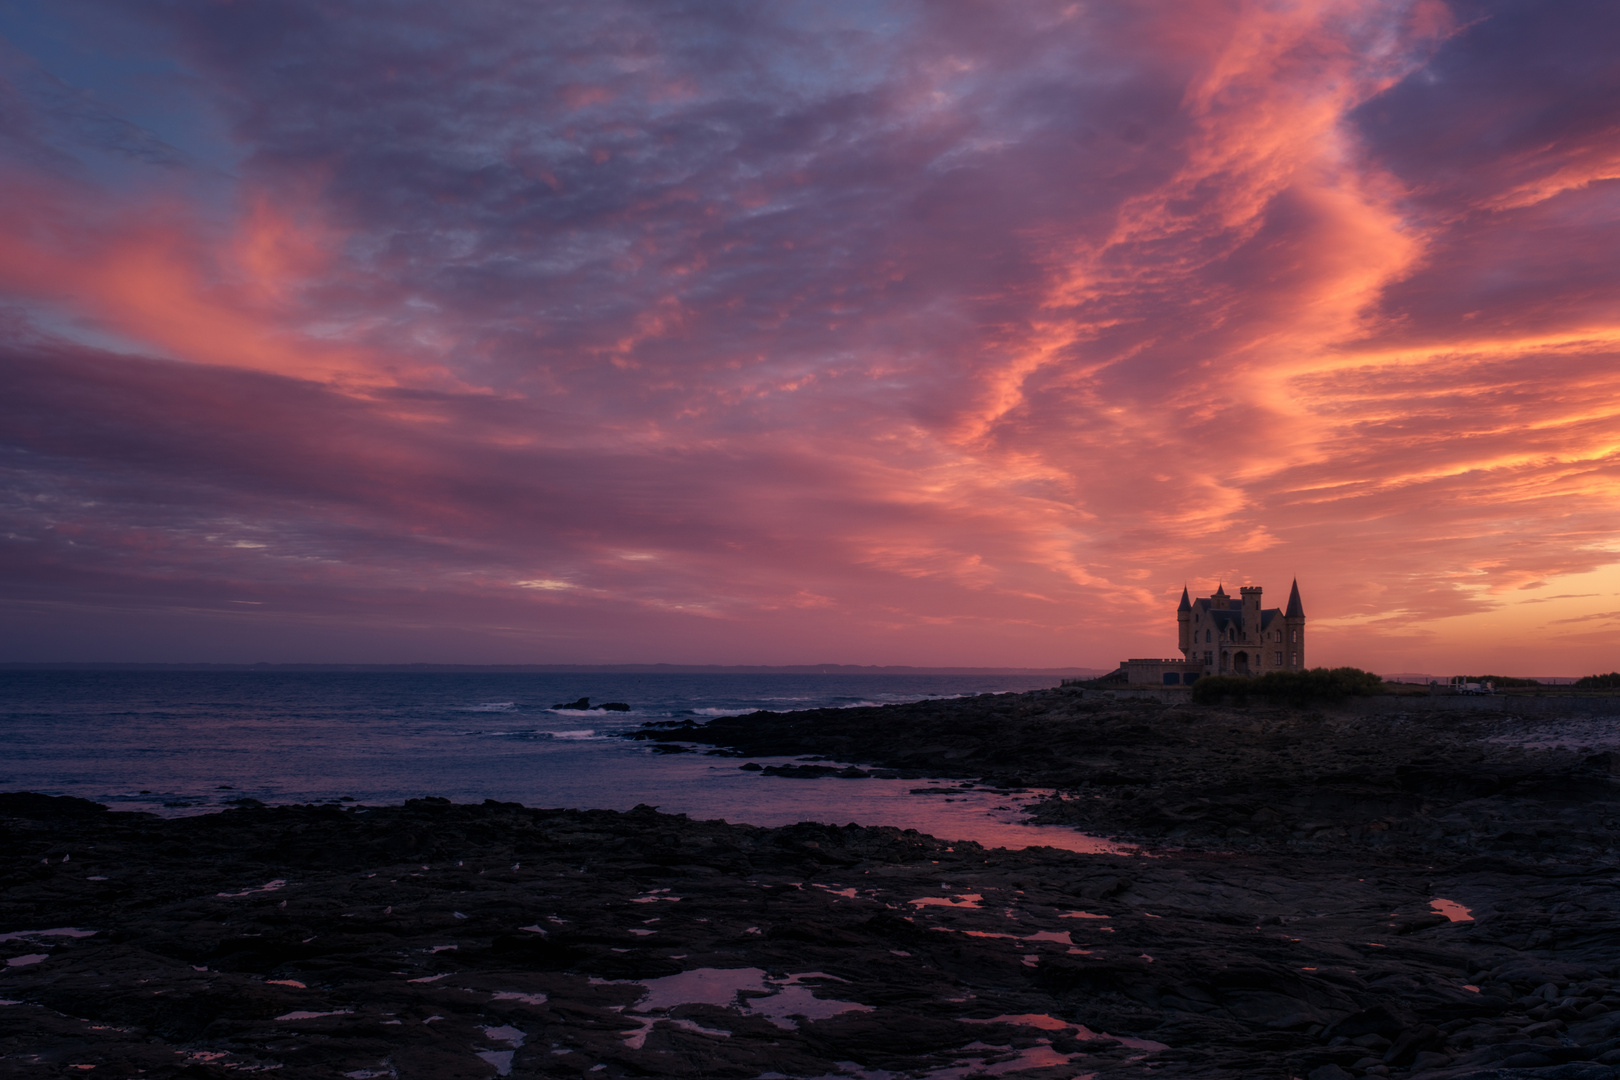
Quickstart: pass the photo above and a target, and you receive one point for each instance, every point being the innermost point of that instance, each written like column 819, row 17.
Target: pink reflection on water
column 1452, row 910
column 963, row 900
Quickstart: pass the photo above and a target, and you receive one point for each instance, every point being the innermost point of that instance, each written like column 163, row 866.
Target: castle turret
column 1184, row 622
column 1294, row 631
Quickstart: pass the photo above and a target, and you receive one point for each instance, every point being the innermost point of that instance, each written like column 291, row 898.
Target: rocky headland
column 1317, row 893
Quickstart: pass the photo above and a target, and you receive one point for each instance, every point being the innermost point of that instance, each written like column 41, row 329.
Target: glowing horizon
column 925, row 334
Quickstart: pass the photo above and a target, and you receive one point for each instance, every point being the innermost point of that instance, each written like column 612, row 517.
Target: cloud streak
column 901, row 333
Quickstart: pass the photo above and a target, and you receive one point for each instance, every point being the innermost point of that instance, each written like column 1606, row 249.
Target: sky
column 931, row 333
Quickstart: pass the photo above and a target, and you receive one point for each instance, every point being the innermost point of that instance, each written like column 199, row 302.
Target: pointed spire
column 1186, row 602
column 1296, row 610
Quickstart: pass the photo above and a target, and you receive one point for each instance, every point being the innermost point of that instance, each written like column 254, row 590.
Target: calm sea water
column 189, row 742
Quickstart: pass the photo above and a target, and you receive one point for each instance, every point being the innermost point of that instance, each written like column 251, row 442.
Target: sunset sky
column 935, row 333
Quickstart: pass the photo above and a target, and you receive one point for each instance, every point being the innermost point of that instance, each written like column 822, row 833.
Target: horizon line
column 560, row 669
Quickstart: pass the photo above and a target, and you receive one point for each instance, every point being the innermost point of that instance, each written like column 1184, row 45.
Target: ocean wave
column 488, row 706
column 578, row 733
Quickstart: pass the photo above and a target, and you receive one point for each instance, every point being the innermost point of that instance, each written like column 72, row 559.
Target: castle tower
column 1251, row 613
column 1294, row 631
column 1184, row 623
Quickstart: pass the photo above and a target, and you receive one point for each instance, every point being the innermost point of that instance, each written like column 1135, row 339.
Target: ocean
column 188, row 742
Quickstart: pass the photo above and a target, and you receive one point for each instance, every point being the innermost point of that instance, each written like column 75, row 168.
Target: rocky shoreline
column 1321, row 893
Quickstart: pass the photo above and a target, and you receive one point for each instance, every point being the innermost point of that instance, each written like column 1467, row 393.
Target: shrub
column 1611, row 681
column 1293, row 687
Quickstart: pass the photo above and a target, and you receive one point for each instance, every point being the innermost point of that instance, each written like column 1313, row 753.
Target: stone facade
column 1222, row 636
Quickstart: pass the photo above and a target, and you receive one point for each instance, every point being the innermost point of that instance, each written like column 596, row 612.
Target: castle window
column 1279, row 658
column 1209, row 657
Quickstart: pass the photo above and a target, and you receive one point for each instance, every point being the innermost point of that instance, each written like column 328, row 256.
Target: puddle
column 700, row 986
column 1034, row 1020
column 24, row 961
column 60, row 931
column 748, row 991
column 1057, row 937
column 1452, row 910
column 1081, row 915
column 1039, row 1056
column 963, row 900
column 269, row 886
column 795, row 1001
column 501, row 1060
column 513, row 995
column 653, row 896
column 303, row 1014
column 1047, row 1022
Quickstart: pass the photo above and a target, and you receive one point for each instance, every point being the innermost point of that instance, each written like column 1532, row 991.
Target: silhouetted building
column 1222, row 636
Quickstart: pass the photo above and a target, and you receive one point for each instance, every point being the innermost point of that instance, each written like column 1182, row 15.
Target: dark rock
column 1412, row 1042
column 1328, row 1072
column 27, row 804
column 582, row 704
column 1271, row 949
column 1376, row 1021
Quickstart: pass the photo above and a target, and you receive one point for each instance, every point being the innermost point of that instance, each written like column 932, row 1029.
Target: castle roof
column 1186, row 604
column 1232, row 615
column 1296, row 610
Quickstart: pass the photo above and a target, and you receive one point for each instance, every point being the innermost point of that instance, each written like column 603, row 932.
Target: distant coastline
column 567, row 669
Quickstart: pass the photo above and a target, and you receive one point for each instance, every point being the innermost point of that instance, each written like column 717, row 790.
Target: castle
column 1221, row 636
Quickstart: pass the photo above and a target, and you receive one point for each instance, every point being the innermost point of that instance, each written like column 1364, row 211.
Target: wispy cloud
column 881, row 333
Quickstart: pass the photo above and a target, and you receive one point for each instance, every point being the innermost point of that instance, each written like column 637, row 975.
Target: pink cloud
column 914, row 335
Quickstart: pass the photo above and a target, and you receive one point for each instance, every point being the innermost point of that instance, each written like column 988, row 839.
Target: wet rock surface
column 1253, row 779
column 440, row 940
